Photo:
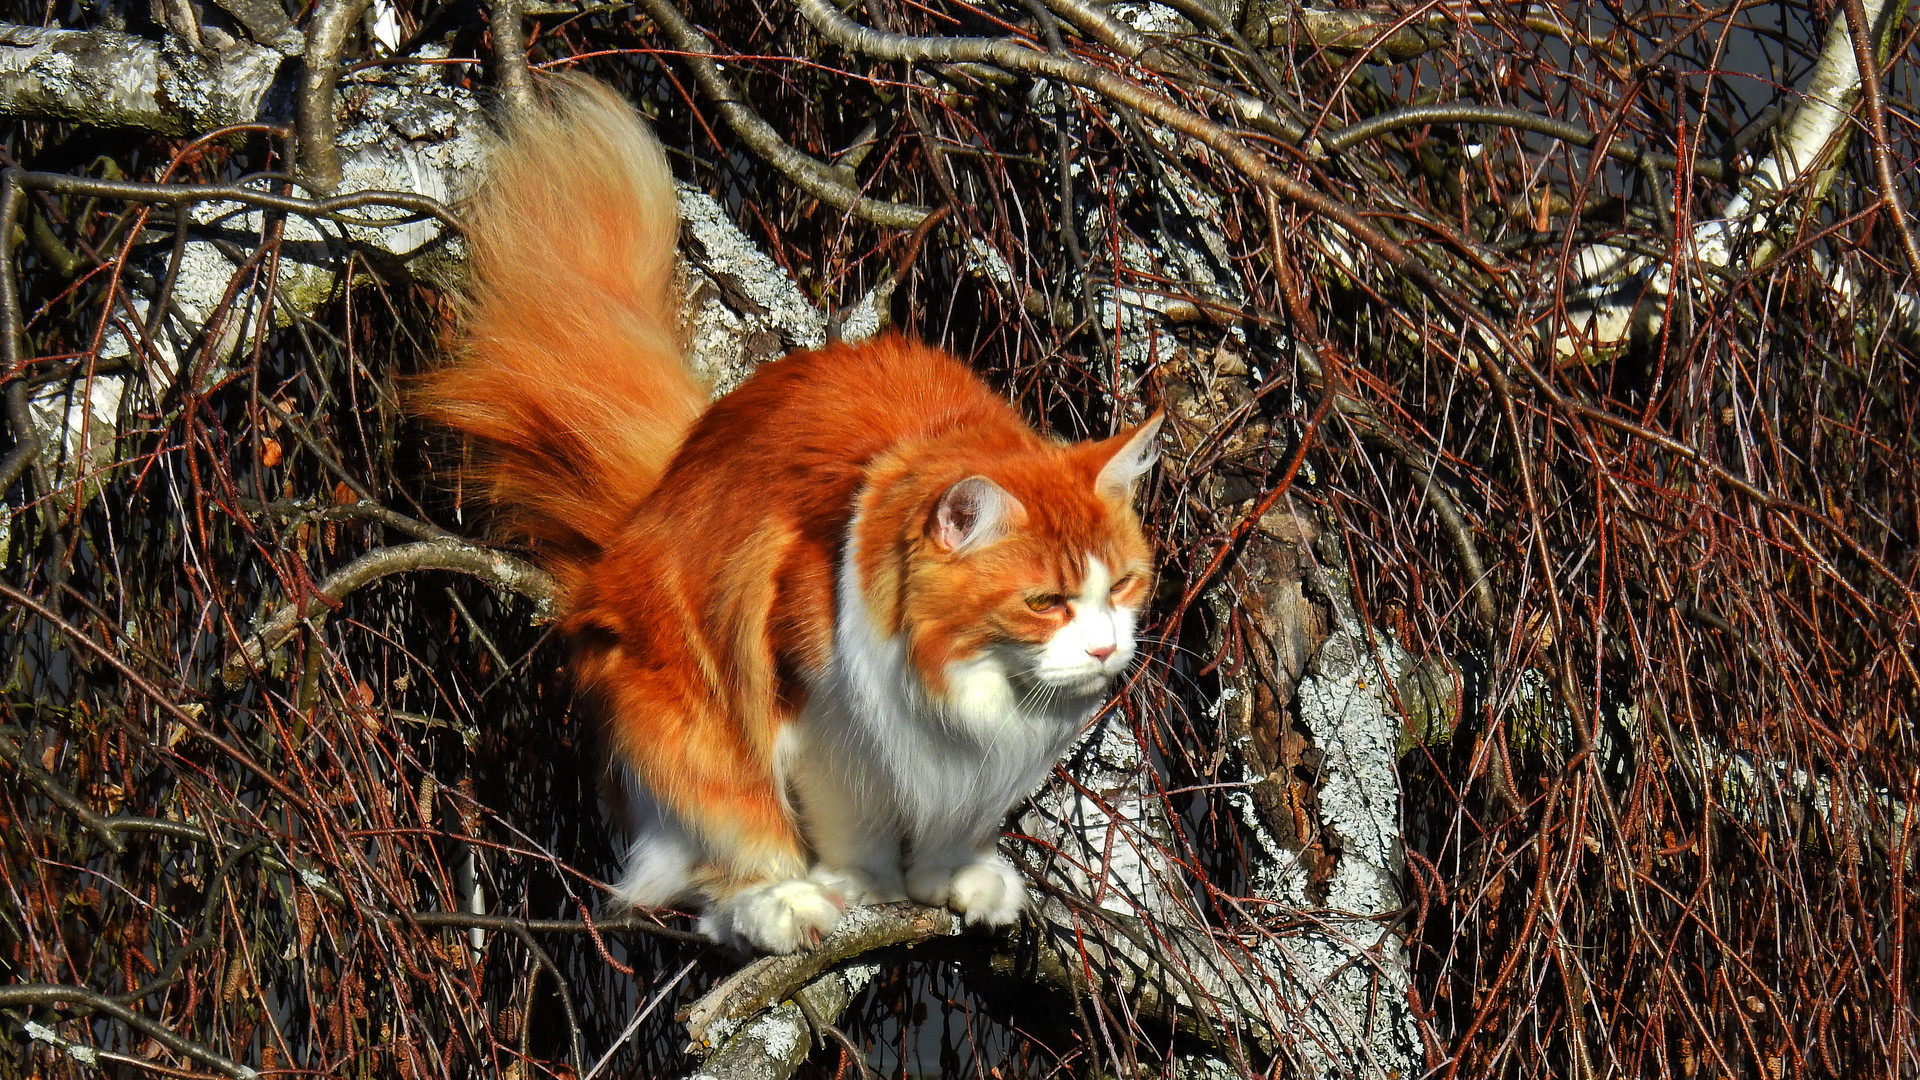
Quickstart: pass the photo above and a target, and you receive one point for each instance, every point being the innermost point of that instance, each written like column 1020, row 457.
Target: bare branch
column 26, row 441
column 326, row 37
column 510, row 75
column 811, row 175
column 752, row 989
column 41, row 994
column 1422, row 115
column 64, row 799
column 496, row 568
column 1860, row 31
column 1016, row 56
column 331, row 208
column 1278, row 24
column 773, row 1044
column 630, row 924
column 113, row 79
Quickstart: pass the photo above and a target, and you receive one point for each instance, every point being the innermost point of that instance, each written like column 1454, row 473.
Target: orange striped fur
column 838, row 622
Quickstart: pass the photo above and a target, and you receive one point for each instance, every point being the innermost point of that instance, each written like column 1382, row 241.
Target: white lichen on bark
column 113, row 79
column 1353, row 972
column 1108, row 832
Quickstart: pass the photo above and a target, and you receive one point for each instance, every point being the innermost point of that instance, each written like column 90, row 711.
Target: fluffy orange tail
column 570, row 375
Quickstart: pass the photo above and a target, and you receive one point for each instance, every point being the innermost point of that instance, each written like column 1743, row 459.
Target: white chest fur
column 938, row 774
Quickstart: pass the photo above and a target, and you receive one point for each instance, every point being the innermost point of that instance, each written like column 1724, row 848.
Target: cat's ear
column 1133, row 453
column 973, row 513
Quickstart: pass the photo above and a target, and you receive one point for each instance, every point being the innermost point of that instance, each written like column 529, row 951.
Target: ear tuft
column 1134, row 452
column 972, row 514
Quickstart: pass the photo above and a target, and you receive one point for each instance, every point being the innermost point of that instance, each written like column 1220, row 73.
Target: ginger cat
column 838, row 622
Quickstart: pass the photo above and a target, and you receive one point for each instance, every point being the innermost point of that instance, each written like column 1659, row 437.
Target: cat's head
column 1033, row 568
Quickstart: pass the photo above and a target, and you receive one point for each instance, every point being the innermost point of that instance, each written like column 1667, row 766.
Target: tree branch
column 813, row 176
column 776, row 1042
column 1098, row 22
column 1863, row 50
column 26, row 441
column 510, row 74
column 1278, row 24
column 43, row 994
column 635, row 924
column 1017, row 56
column 112, row 79
column 752, row 989
column 152, row 693
column 1460, row 113
column 319, row 134
column 330, row 208
column 496, row 568
column 64, row 799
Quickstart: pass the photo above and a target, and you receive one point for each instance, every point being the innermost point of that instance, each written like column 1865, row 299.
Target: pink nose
column 1102, row 652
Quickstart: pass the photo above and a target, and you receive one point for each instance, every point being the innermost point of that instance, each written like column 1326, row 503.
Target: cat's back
column 743, row 534
column 805, row 428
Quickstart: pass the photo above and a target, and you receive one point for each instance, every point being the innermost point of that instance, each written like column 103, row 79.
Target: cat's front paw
column 778, row 917
column 985, row 891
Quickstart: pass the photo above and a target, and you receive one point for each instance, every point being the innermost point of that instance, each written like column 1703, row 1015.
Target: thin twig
column 1373, row 127
column 152, row 693
column 1864, row 52
column 329, row 208
column 43, row 994
column 576, row 1039
column 813, row 176
column 64, row 799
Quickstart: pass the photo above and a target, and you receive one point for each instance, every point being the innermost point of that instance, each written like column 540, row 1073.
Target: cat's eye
column 1046, row 603
column 1126, row 582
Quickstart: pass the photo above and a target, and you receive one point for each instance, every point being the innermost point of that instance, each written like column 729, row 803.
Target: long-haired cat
column 839, row 621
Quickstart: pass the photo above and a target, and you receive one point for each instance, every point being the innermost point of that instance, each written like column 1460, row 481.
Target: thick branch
column 1167, row 973
column 26, row 441
column 510, row 74
column 111, row 79
column 1278, row 24
column 319, row 134
column 753, row 988
column 775, row 1043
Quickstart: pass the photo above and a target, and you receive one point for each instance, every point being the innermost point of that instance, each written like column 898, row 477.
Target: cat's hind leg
column 707, row 767
column 661, row 852
column 783, row 916
column 759, row 894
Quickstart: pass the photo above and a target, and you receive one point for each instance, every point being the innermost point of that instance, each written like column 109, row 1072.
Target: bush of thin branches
column 1539, row 336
